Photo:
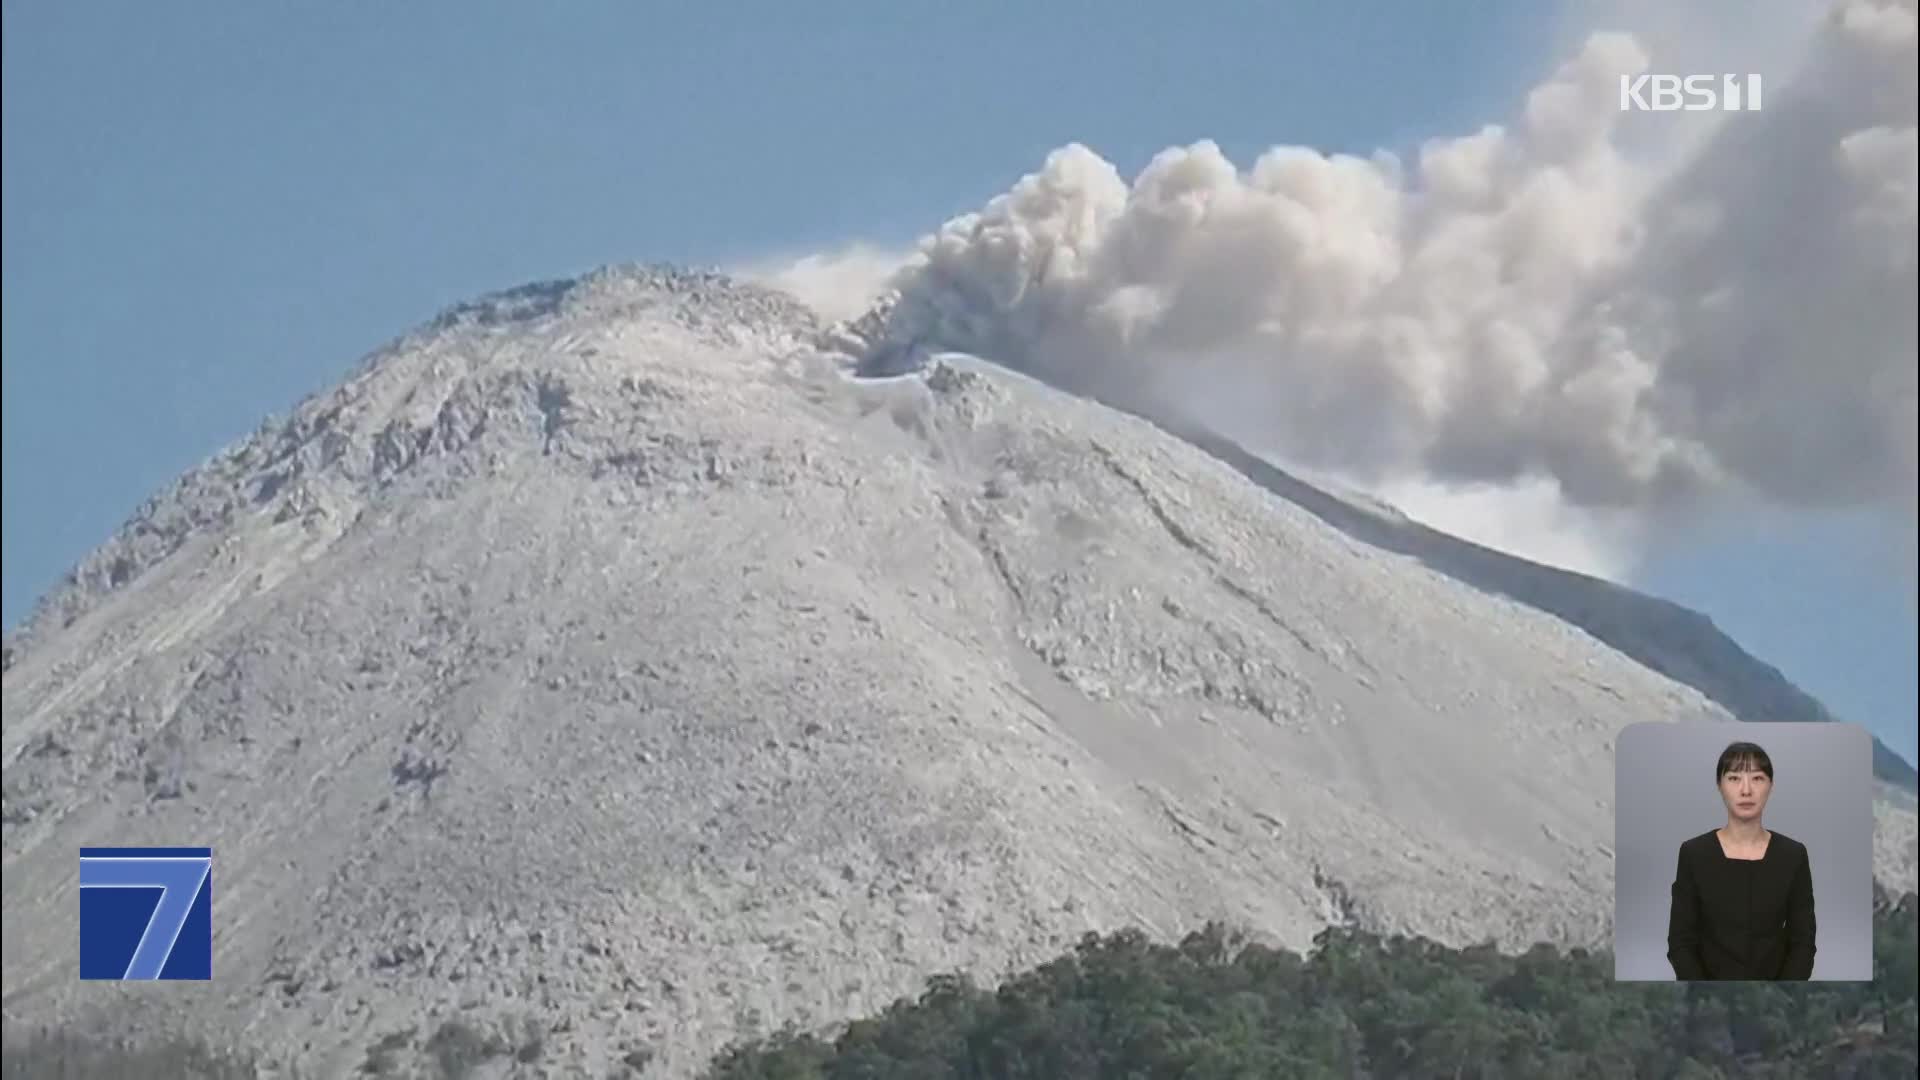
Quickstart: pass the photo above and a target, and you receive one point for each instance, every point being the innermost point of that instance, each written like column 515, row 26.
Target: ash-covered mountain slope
column 603, row 657
column 1676, row 641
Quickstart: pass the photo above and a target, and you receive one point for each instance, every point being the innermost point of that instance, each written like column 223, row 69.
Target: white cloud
column 1531, row 519
column 839, row 285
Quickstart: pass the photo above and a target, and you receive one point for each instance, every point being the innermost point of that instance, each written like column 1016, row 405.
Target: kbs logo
column 1691, row 93
column 146, row 913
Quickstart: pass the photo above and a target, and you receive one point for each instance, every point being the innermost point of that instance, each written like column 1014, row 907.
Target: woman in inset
column 1742, row 896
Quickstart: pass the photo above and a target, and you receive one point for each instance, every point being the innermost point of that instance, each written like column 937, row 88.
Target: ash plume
column 1526, row 305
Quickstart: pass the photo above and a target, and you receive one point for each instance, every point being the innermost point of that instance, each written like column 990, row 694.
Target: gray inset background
column 1664, row 793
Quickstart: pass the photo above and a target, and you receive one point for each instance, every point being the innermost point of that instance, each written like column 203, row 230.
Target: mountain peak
column 698, row 297
column 520, row 359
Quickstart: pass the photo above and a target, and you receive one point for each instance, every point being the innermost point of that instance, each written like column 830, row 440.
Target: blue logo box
column 146, row 913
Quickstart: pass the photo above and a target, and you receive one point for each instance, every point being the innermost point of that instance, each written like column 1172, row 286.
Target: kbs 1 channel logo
column 146, row 913
column 1690, row 93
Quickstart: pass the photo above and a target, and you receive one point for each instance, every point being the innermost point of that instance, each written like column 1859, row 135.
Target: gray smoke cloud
column 1527, row 304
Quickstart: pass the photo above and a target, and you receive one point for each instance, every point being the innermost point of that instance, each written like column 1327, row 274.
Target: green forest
column 1123, row 1007
column 1120, row 1007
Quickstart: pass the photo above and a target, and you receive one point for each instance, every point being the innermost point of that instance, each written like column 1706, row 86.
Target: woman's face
column 1745, row 792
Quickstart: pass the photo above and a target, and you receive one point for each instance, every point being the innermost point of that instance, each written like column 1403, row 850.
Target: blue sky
column 212, row 210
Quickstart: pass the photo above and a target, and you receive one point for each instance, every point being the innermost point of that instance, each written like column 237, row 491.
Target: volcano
column 629, row 660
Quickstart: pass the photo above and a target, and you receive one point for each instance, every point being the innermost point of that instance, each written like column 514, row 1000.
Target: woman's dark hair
column 1742, row 756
